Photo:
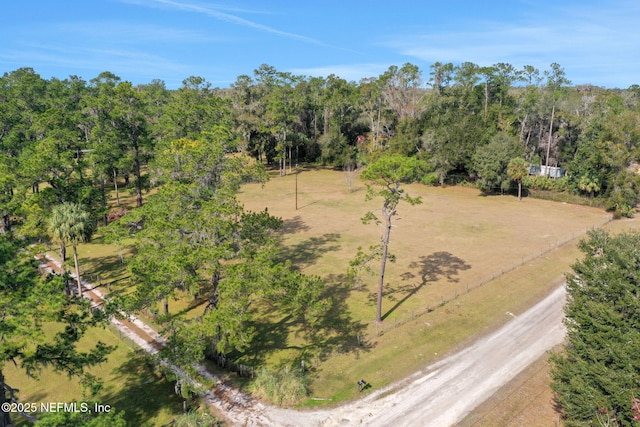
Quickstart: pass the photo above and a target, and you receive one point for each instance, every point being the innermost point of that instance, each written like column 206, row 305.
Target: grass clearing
column 446, row 248
column 463, row 261
column 528, row 398
column 131, row 384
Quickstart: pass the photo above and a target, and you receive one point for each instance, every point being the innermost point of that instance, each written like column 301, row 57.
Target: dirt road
column 441, row 394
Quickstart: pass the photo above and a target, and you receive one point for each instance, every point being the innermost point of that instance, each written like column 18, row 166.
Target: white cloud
column 601, row 38
column 132, row 33
column 216, row 12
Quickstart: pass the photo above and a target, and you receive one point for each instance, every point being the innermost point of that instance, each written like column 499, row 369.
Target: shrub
column 283, row 387
column 430, row 179
column 538, row 182
column 197, row 419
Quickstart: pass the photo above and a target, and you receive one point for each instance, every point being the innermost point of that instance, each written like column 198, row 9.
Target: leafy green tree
column 198, row 240
column 517, row 170
column 598, row 374
column 401, row 89
column 247, row 108
column 7, row 185
column 589, row 184
column 70, row 223
column 340, row 112
column 385, row 177
column 441, row 75
column 131, row 125
column 28, row 302
column 453, row 123
column 491, row 162
column 192, row 111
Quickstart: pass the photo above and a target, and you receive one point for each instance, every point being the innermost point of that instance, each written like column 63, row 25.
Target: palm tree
column 589, row 184
column 71, row 224
column 517, row 169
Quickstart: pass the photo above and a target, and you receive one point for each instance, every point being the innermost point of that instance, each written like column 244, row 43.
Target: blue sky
column 596, row 42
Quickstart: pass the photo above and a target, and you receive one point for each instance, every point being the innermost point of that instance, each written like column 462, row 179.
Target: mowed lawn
column 456, row 240
column 130, row 384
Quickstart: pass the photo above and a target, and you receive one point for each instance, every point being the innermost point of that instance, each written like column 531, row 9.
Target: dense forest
column 466, row 121
column 67, row 146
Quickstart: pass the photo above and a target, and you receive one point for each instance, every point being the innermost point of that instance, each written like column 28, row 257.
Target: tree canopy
column 598, row 376
column 28, row 303
column 197, row 239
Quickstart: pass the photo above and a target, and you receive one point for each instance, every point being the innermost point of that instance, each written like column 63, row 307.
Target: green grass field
column 463, row 261
column 130, row 384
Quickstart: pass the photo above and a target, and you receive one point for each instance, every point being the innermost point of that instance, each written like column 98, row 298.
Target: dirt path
column 439, row 395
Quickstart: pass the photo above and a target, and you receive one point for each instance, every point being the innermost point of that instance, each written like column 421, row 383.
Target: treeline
column 72, row 141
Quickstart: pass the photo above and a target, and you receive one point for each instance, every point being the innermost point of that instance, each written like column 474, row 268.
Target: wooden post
column 297, row 190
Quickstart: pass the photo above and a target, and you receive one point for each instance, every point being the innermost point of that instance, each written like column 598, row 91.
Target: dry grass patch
column 464, row 260
column 528, row 398
column 454, row 242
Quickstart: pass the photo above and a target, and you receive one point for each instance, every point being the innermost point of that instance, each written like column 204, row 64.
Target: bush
column 197, row 419
column 539, row 182
column 430, row 179
column 284, row 387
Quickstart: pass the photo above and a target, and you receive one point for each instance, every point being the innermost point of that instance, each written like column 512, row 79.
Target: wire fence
column 376, row 329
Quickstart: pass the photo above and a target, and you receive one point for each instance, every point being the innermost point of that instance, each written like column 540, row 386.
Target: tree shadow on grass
column 431, row 268
column 438, row 265
column 270, row 337
column 105, row 271
column 308, row 251
column 294, row 225
column 335, row 332
column 144, row 393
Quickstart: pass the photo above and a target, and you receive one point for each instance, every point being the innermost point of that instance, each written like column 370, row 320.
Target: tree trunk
column 376, row 134
column 115, row 184
column 138, row 179
column 383, row 261
column 5, row 225
column 103, row 188
column 165, row 306
column 75, row 261
column 63, row 252
column 214, row 299
column 553, row 110
column 486, row 101
column 523, row 125
column 325, row 125
column 519, row 189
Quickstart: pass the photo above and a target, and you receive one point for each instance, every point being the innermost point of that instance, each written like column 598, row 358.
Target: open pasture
column 448, row 246
column 463, row 261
